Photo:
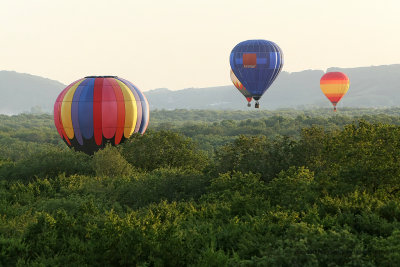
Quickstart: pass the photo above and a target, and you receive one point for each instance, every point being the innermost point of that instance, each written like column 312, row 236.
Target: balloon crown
column 103, row 76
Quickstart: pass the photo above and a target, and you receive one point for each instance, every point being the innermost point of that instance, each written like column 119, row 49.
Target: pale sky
column 183, row 43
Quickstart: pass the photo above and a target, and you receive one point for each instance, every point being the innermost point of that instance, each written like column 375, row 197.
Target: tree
column 255, row 154
column 161, row 149
column 364, row 155
column 293, row 189
column 109, row 162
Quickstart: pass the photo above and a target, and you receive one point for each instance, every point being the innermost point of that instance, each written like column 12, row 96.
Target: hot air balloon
column 96, row 110
column 334, row 85
column 241, row 88
column 256, row 64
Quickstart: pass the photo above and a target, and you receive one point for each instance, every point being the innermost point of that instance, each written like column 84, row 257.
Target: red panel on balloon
column 97, row 118
column 250, row 60
column 109, row 110
column 120, row 110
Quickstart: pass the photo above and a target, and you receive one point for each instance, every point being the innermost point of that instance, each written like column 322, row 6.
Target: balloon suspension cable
column 257, row 105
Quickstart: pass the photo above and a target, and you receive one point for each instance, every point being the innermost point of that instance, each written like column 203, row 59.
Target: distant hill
column 375, row 86
column 21, row 92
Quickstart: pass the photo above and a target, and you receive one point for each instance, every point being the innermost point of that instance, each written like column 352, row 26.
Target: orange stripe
column 335, row 81
column 334, row 88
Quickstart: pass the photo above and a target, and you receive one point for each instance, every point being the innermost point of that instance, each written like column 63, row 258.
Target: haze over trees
column 206, row 188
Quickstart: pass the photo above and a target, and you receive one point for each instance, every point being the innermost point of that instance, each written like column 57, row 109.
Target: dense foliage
column 286, row 188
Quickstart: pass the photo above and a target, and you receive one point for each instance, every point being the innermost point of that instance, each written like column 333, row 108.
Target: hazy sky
column 183, row 43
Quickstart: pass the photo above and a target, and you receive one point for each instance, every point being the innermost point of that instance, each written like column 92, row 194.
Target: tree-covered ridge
column 20, row 134
column 328, row 194
column 179, row 116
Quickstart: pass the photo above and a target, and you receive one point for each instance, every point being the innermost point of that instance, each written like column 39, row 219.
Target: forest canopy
column 206, row 188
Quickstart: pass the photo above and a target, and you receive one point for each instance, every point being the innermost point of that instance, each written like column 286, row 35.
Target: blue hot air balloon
column 256, row 64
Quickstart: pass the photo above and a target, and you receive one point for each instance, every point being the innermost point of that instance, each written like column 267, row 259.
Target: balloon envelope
column 256, row 63
column 97, row 110
column 334, row 85
column 240, row 87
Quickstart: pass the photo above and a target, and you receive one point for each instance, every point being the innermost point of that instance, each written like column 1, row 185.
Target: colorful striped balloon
column 241, row 88
column 97, row 110
column 334, row 85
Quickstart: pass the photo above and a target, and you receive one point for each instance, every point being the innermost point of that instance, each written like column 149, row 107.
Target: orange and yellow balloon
column 334, row 85
column 241, row 88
